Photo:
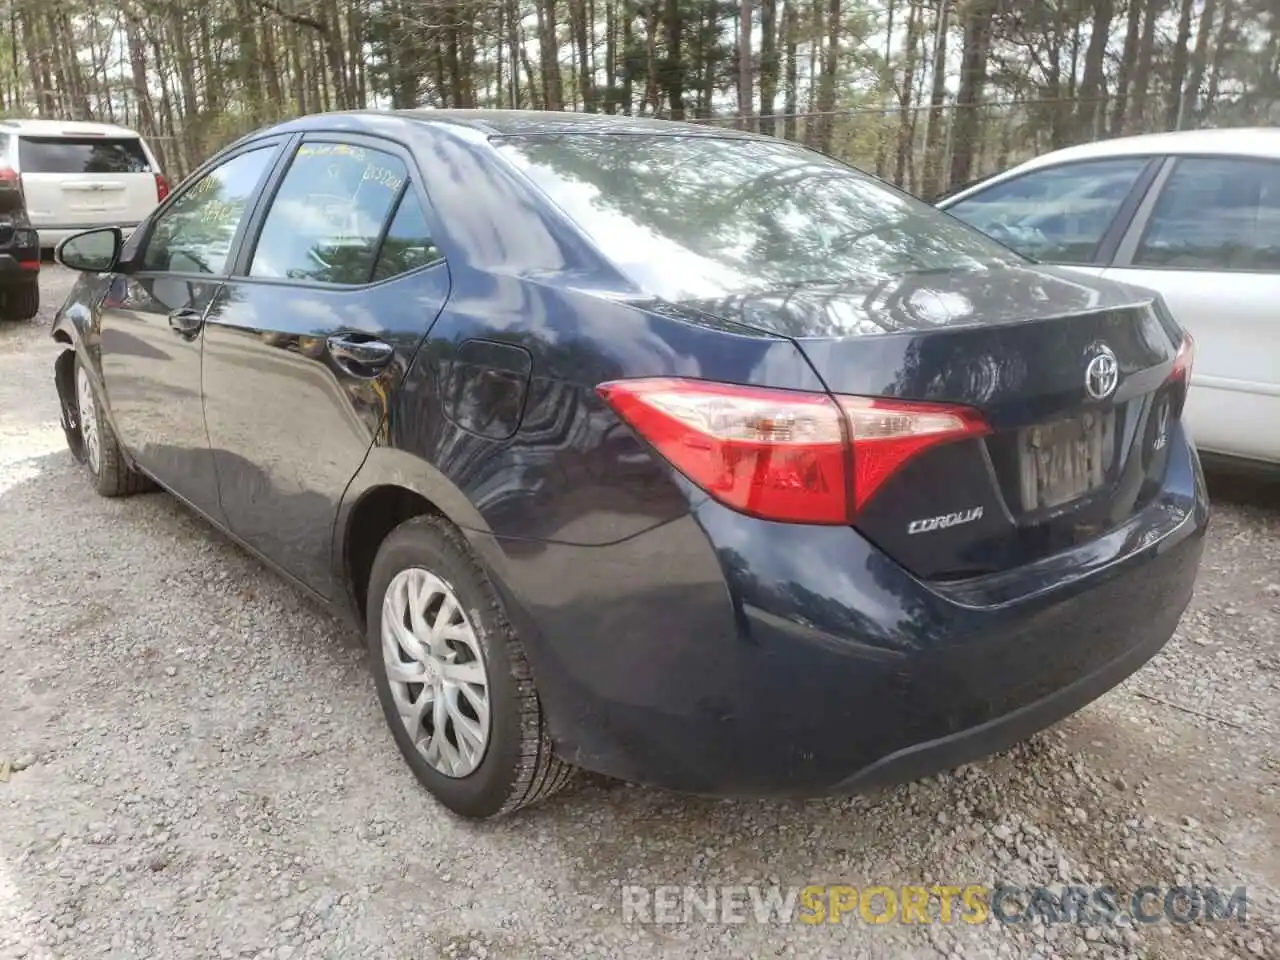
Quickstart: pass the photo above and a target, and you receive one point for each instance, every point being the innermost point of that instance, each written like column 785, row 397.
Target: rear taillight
column 162, row 188
column 10, row 178
column 1180, row 376
column 782, row 454
column 1184, row 359
column 888, row 433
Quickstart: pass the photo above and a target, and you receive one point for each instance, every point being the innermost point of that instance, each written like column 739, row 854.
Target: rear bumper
column 974, row 743
column 723, row 655
column 19, row 266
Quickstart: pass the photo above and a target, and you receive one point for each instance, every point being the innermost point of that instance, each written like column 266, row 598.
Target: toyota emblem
column 1102, row 374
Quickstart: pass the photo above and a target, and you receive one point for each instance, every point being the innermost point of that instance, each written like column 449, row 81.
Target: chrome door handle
column 186, row 322
column 370, row 354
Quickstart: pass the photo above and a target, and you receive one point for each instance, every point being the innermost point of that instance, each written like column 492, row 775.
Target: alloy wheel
column 88, row 420
column 436, row 671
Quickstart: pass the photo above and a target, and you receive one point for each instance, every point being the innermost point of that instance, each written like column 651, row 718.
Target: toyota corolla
column 687, row 456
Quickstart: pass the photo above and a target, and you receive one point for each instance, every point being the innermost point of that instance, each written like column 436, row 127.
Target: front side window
column 711, row 216
column 328, row 215
column 195, row 233
column 1215, row 214
column 82, row 155
column 1057, row 215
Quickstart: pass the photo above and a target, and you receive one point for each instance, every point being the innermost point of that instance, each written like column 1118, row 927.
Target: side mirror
column 94, row 251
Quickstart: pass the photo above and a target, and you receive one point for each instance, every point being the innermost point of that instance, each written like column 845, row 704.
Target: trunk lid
column 1071, row 372
column 86, row 180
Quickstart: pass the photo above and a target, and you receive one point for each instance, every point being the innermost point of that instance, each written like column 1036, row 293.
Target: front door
column 151, row 323
column 304, row 345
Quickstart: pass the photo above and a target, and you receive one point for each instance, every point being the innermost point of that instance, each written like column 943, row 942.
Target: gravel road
column 198, row 768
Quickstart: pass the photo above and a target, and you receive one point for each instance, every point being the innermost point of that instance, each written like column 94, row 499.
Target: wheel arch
column 391, row 487
column 64, row 380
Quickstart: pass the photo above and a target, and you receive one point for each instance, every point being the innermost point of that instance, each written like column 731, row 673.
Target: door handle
column 186, row 322
column 369, row 354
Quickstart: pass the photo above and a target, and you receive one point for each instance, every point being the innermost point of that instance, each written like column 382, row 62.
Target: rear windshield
column 82, row 155
column 708, row 216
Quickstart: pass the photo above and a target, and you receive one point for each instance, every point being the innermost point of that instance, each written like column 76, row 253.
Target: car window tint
column 328, row 214
column 408, row 244
column 1216, row 214
column 1057, row 215
column 194, row 234
column 82, row 155
column 710, row 216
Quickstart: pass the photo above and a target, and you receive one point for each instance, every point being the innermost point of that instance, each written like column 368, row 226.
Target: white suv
column 77, row 176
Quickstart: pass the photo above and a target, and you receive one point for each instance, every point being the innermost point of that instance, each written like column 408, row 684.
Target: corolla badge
column 1102, row 374
column 947, row 520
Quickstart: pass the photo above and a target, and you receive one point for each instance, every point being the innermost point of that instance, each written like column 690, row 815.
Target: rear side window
column 82, row 155
column 1216, row 214
column 328, row 215
column 408, row 244
column 1058, row 215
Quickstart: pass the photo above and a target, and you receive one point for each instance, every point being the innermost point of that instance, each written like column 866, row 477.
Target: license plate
column 1065, row 460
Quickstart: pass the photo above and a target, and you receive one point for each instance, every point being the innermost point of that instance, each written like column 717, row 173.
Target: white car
column 1194, row 215
column 77, row 176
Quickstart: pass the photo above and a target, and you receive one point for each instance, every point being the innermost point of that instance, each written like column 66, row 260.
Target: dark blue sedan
column 683, row 455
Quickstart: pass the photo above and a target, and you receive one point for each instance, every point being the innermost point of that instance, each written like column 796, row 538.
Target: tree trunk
column 973, row 80
column 1092, row 86
column 1133, row 26
column 746, row 90
column 578, row 22
column 906, row 116
column 791, row 101
column 513, row 42
column 138, row 67
column 1199, row 63
column 523, row 46
column 1178, row 68
column 827, row 85
column 934, row 144
column 768, row 64
column 1142, row 72
column 610, row 58
column 1219, row 49
column 673, row 69
column 549, row 55
column 811, row 131
column 628, row 56
column 886, row 85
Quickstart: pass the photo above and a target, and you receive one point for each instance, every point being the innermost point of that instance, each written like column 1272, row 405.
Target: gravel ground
column 199, row 769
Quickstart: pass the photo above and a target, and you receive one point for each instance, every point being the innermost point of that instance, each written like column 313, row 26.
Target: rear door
column 1070, row 214
column 304, row 346
column 86, row 180
column 1208, row 238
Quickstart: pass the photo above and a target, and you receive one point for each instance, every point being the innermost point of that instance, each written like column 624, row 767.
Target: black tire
column 518, row 767
column 112, row 476
column 20, row 302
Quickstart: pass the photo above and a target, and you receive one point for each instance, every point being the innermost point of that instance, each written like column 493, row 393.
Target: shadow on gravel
column 1246, row 490
column 601, row 834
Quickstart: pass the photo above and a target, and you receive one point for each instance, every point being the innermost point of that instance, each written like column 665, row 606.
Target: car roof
column 65, row 128
column 498, row 123
column 1234, row 141
column 525, row 122
column 1244, row 141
